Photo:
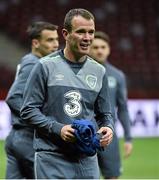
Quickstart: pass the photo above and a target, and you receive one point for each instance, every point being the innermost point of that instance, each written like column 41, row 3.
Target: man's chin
column 85, row 52
column 101, row 61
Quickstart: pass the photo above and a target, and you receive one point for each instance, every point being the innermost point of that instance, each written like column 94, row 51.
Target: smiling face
column 78, row 41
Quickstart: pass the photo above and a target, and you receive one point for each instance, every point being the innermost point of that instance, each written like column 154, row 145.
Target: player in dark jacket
column 19, row 143
column 65, row 86
column 109, row 160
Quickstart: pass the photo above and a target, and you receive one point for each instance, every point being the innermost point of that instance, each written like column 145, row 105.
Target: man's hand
column 127, row 149
column 107, row 136
column 67, row 133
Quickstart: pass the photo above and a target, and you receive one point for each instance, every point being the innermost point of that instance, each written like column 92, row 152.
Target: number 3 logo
column 73, row 108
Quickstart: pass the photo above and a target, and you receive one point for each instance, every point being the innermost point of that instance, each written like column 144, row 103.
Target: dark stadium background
column 133, row 26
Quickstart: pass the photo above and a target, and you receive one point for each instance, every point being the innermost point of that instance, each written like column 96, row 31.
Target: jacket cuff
column 57, row 128
column 111, row 127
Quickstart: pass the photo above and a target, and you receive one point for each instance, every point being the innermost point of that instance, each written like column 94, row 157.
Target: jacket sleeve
column 34, row 98
column 15, row 94
column 122, row 109
column 103, row 113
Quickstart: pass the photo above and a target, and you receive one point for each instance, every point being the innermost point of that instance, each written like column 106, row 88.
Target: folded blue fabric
column 88, row 141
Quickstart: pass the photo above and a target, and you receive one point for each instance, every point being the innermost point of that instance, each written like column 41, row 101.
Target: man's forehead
column 49, row 33
column 83, row 22
column 99, row 41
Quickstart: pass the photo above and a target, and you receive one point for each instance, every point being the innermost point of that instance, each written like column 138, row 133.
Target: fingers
column 127, row 149
column 106, row 141
column 107, row 136
column 67, row 133
column 102, row 130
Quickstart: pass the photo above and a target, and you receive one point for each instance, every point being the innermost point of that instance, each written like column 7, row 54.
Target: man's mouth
column 84, row 46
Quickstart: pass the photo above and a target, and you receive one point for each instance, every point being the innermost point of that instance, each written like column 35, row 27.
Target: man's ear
column 35, row 43
column 65, row 34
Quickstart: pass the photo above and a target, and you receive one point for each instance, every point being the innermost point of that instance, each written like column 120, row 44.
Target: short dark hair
column 34, row 30
column 102, row 35
column 76, row 12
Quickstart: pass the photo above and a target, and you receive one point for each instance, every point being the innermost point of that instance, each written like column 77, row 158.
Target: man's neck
column 36, row 53
column 71, row 57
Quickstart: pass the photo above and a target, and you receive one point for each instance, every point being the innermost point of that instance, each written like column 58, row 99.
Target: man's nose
column 56, row 44
column 87, row 36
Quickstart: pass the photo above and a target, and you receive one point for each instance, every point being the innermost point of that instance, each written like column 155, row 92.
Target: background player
column 65, row 86
column 109, row 160
column 19, row 143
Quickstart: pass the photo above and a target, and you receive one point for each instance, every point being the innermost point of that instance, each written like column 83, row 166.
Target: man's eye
column 80, row 32
column 92, row 32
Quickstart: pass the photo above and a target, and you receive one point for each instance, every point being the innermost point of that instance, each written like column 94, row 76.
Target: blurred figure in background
column 109, row 160
column 19, row 143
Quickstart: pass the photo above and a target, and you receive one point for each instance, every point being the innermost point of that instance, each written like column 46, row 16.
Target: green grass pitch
column 144, row 161
column 142, row 164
